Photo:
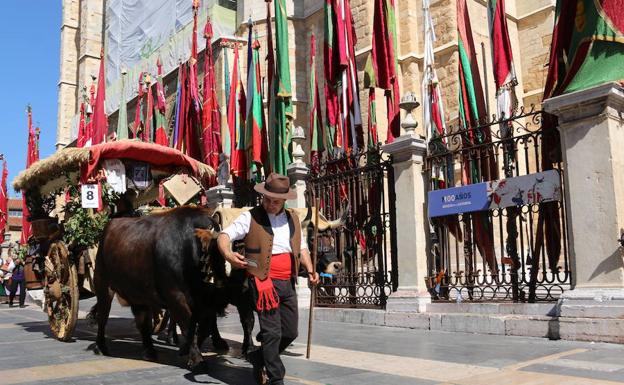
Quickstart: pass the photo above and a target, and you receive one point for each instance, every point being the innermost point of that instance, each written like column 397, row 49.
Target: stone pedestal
column 220, row 196
column 592, row 137
column 408, row 154
column 298, row 173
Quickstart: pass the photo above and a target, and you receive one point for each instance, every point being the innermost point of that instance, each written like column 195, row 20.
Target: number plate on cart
column 90, row 196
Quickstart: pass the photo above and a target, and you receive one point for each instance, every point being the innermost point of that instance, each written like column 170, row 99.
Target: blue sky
column 29, row 63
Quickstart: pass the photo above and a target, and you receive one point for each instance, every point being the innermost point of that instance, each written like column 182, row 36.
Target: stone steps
column 528, row 320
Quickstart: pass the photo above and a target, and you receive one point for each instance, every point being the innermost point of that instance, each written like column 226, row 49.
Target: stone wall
column 81, row 43
column 530, row 26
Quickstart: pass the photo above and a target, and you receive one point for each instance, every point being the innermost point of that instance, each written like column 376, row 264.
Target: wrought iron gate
column 529, row 259
column 362, row 184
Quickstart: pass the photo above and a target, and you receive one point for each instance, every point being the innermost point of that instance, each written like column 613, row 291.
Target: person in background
column 6, row 268
column 18, row 279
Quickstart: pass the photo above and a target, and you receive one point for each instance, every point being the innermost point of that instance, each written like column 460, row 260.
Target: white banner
column 139, row 32
column 525, row 190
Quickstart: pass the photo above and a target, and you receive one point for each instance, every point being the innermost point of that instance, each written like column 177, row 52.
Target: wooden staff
column 317, row 202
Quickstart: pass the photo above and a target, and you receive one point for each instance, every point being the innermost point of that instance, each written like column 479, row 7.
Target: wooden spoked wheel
column 61, row 291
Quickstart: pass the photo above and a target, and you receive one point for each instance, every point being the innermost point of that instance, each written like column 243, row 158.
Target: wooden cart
column 153, row 173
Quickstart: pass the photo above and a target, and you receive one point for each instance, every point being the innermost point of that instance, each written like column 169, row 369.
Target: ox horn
column 205, row 237
column 308, row 218
column 342, row 218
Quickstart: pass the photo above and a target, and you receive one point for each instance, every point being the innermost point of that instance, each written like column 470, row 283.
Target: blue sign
column 457, row 200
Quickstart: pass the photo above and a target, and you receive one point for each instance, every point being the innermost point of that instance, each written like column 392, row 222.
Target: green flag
column 255, row 119
column 587, row 46
column 281, row 146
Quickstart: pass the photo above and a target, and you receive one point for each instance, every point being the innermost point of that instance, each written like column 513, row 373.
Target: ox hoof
column 220, row 344
column 173, row 341
column 247, row 348
column 101, row 350
column 184, row 350
column 150, row 355
column 194, row 362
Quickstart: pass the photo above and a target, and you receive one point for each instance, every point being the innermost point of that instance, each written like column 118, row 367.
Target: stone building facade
column 530, row 27
column 13, row 229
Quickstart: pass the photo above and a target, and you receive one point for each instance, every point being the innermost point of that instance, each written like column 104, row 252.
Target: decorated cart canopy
column 115, row 178
column 50, row 173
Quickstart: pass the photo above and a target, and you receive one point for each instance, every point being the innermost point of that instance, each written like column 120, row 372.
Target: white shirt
column 281, row 231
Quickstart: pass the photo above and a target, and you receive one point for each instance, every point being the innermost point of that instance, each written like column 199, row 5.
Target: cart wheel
column 61, row 291
column 160, row 321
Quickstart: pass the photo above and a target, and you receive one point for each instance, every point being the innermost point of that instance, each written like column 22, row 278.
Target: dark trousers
column 22, row 287
column 278, row 328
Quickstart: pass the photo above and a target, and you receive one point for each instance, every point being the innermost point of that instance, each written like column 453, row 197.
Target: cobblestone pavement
column 342, row 354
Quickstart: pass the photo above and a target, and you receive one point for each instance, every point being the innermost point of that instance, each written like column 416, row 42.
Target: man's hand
column 237, row 260
column 313, row 278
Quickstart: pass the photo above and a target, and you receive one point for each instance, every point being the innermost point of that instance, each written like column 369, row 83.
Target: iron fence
column 527, row 259
column 362, row 185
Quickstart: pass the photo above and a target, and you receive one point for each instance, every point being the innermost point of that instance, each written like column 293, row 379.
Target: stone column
column 298, row 172
column 67, row 85
column 592, row 136
column 220, row 196
column 408, row 153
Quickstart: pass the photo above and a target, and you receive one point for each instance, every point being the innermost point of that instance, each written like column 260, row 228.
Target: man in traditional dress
column 274, row 248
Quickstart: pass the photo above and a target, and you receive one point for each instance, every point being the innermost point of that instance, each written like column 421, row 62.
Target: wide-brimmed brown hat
column 276, row 186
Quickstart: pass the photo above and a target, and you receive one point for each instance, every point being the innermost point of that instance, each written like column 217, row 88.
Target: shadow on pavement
column 124, row 341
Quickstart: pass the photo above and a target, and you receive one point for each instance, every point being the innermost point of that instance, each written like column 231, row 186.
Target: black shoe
column 259, row 372
column 22, row 305
column 11, row 305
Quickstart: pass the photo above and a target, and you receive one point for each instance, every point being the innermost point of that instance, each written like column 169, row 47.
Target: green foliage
column 39, row 206
column 21, row 252
column 83, row 228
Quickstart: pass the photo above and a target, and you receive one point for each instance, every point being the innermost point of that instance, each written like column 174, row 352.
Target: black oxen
column 158, row 262
column 234, row 290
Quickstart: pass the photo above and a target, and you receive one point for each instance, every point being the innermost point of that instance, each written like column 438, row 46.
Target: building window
column 7, row 237
column 15, row 213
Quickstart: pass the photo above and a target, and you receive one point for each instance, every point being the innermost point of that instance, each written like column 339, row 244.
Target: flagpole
column 485, row 83
column 317, row 202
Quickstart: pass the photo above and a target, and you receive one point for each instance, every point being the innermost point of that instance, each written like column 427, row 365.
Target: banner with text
column 518, row 191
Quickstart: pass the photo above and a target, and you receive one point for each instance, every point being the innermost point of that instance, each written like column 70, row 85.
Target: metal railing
column 362, row 184
column 528, row 261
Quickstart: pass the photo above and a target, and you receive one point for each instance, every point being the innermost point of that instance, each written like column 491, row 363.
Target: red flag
column 192, row 104
column 343, row 116
column 82, row 133
column 161, row 132
column 211, row 119
column 150, row 109
column 472, row 109
column 502, row 60
column 385, row 61
column 270, row 54
column 255, row 135
column 239, row 162
column 31, row 157
column 317, row 145
column 180, row 108
column 100, row 122
column 4, row 198
column 332, row 74
column 89, row 105
column 139, row 132
column 233, row 112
